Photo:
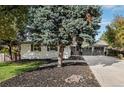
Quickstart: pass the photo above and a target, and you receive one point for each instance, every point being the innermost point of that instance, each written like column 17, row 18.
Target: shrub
column 4, row 50
column 120, row 56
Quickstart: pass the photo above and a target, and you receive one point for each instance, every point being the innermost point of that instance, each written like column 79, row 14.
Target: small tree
column 61, row 25
column 12, row 21
column 114, row 34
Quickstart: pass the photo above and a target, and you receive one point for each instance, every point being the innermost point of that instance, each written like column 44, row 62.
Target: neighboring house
column 39, row 51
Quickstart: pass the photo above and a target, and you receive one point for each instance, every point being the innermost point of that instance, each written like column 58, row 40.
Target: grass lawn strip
column 9, row 70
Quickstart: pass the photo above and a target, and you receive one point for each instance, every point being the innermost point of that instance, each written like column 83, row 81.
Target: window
column 35, row 47
column 49, row 48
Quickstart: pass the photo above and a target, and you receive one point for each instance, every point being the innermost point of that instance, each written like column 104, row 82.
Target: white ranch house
column 30, row 50
column 39, row 51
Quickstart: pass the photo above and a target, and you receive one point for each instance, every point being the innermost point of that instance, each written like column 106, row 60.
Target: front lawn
column 11, row 69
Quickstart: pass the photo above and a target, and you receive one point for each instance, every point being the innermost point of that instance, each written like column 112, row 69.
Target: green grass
column 11, row 69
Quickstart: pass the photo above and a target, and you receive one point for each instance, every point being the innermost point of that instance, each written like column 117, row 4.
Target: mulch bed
column 54, row 77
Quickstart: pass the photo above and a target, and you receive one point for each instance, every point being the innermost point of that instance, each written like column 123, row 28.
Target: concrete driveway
column 109, row 71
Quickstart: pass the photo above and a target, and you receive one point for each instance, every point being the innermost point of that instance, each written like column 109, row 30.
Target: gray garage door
column 88, row 51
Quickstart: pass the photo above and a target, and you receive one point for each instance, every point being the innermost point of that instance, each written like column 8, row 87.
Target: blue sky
column 109, row 12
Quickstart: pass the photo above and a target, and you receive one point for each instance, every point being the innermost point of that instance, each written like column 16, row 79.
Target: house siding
column 26, row 52
column 1, row 57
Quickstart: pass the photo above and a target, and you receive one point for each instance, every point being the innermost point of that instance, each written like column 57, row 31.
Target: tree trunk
column 74, row 47
column 19, row 51
column 74, row 41
column 60, row 55
column 10, row 51
column 4, row 57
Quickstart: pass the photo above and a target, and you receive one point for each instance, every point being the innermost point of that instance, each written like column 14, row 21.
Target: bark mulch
column 54, row 77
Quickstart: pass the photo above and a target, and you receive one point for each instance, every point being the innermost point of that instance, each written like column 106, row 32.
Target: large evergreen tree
column 63, row 25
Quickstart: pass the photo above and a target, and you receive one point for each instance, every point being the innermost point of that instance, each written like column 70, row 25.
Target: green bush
column 4, row 50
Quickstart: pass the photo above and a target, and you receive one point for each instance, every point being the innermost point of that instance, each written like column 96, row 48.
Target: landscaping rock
column 67, row 76
column 74, row 79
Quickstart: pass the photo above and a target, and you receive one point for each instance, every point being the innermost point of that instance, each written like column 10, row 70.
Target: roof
column 29, row 42
column 26, row 42
column 101, row 43
column 4, row 42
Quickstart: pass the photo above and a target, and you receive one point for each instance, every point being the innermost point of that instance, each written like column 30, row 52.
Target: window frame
column 34, row 47
column 52, row 48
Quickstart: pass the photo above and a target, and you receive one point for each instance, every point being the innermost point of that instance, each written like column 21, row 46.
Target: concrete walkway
column 109, row 71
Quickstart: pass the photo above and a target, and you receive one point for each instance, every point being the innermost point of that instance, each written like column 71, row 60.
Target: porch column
column 105, row 52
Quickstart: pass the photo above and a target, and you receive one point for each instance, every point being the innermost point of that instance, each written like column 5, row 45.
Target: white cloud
column 109, row 6
column 105, row 22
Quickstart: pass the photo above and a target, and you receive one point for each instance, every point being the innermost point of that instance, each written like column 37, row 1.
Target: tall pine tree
column 63, row 25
